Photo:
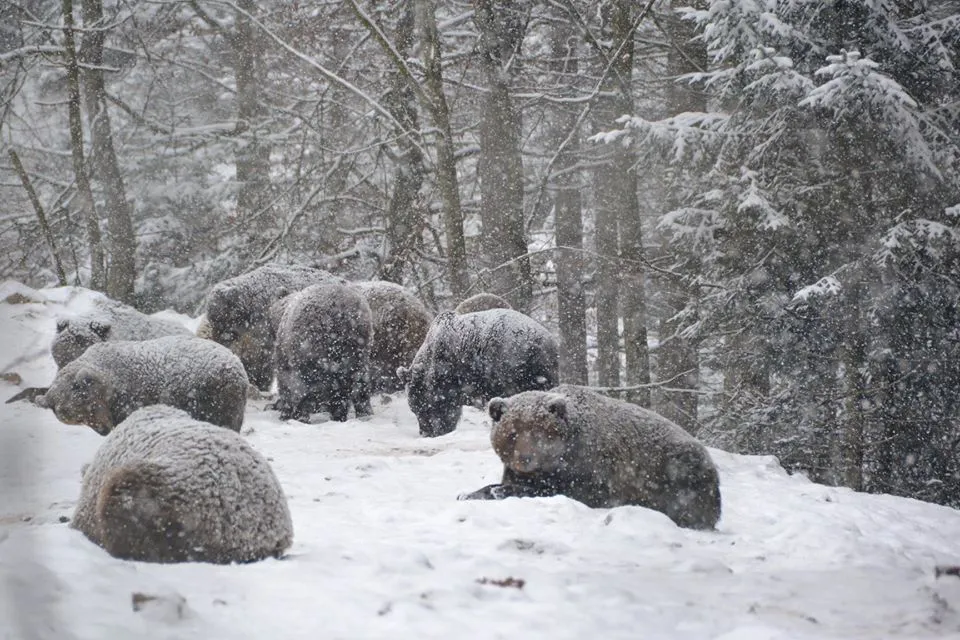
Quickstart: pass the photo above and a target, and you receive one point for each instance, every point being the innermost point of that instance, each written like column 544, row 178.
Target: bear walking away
column 164, row 487
column 108, row 320
column 602, row 452
column 322, row 353
column 400, row 323
column 111, row 380
column 482, row 302
column 237, row 314
column 471, row 358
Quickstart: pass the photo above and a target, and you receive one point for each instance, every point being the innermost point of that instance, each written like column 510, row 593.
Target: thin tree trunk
column 404, row 219
column 571, row 304
column 121, row 274
column 854, row 364
column 98, row 275
column 677, row 357
column 41, row 215
column 253, row 156
column 502, row 26
column 447, row 181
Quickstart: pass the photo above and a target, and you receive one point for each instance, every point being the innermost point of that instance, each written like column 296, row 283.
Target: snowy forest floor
column 383, row 549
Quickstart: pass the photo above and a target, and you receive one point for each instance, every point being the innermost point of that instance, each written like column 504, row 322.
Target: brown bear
column 482, row 302
column 164, row 487
column 602, row 452
column 237, row 314
column 108, row 320
column 322, row 352
column 113, row 379
column 400, row 323
column 471, row 358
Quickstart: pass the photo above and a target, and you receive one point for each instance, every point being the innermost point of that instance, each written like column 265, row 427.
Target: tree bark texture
column 104, row 166
column 447, row 181
column 404, row 217
column 568, row 213
column 85, row 201
column 502, row 26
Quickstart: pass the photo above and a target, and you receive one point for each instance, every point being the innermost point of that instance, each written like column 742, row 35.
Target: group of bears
column 171, row 405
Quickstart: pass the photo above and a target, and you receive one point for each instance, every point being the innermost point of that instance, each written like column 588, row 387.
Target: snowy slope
column 383, row 550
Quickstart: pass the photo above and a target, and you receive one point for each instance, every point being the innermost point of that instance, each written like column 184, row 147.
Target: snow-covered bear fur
column 164, row 487
column 322, row 352
column 482, row 302
column 400, row 323
column 108, row 320
column 602, row 452
column 237, row 314
column 471, row 358
column 111, row 380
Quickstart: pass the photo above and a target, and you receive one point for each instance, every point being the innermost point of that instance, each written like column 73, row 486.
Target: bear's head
column 434, row 398
column 80, row 395
column 75, row 336
column 531, row 432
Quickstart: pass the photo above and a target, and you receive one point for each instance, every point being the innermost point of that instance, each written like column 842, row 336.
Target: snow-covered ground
column 384, row 550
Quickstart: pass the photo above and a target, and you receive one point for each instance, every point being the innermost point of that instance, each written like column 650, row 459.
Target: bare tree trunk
column 98, row 275
column 854, row 364
column 447, row 181
column 677, row 361
column 41, row 215
column 121, row 274
column 607, row 287
column 404, row 219
column 571, row 304
column 502, row 26
column 253, row 156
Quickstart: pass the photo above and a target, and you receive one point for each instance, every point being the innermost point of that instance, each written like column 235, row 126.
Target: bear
column 237, row 313
column 400, row 323
column 322, row 352
column 482, row 302
column 602, row 452
column 472, row 358
column 164, row 487
column 108, row 320
column 113, row 379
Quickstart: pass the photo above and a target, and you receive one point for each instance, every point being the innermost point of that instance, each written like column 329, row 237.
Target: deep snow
column 382, row 547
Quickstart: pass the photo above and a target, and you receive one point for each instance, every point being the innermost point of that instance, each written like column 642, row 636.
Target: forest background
column 740, row 213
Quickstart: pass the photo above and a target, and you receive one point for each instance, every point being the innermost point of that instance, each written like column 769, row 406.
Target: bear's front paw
column 490, row 492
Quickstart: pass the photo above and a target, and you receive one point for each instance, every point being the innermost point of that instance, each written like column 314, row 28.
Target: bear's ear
column 101, row 329
column 403, row 373
column 282, row 292
column 496, row 407
column 558, row 407
column 62, row 325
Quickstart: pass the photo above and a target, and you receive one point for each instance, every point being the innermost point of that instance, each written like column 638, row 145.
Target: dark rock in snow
column 471, row 358
column 164, row 487
column 602, row 452
column 111, row 380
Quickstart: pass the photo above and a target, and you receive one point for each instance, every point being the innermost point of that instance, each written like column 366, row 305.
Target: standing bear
column 111, row 380
column 471, row 358
column 164, row 487
column 400, row 323
column 602, row 452
column 238, row 309
column 322, row 352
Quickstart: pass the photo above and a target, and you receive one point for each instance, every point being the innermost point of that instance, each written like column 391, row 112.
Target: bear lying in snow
column 164, row 487
column 237, row 314
column 471, row 358
column 109, row 320
column 482, row 302
column 113, row 379
column 400, row 323
column 322, row 352
column 602, row 452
